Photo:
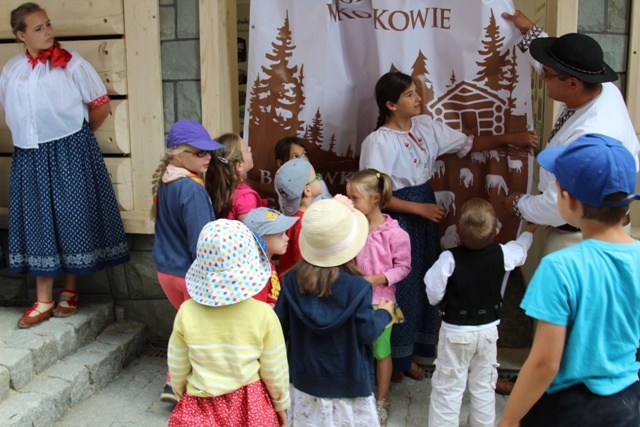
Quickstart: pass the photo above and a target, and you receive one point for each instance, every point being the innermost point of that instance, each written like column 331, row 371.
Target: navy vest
column 473, row 290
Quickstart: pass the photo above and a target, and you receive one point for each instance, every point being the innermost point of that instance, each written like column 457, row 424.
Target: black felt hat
column 576, row 54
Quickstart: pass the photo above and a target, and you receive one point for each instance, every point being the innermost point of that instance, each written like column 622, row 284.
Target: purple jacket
column 388, row 252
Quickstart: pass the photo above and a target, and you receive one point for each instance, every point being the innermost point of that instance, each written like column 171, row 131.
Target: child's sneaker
column 167, row 395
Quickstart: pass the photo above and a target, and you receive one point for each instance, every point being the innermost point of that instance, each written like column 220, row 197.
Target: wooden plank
column 72, row 18
column 219, row 66
column 146, row 123
column 633, row 93
column 562, row 18
column 113, row 135
column 119, row 171
column 106, row 56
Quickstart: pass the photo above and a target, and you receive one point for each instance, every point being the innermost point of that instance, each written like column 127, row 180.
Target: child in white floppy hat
column 226, row 351
column 326, row 315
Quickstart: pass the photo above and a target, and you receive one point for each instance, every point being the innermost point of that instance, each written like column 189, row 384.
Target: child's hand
column 527, row 139
column 431, row 211
column 376, row 279
column 385, row 304
column 282, row 418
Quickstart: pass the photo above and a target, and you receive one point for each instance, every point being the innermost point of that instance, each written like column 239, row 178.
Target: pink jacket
column 388, row 252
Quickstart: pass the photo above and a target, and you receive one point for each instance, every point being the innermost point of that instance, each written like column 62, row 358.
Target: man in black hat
column 575, row 74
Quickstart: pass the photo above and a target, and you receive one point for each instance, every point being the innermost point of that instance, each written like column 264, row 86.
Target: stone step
column 24, row 353
column 78, row 376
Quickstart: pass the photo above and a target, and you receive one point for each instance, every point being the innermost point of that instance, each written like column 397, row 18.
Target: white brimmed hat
column 333, row 233
column 231, row 265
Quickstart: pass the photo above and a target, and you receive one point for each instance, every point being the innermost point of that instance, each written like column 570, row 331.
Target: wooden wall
column 121, row 39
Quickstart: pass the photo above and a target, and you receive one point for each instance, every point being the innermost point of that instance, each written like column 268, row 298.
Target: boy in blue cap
column 582, row 368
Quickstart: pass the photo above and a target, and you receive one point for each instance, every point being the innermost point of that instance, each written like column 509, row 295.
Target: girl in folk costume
column 406, row 145
column 63, row 214
column 233, row 372
column 326, row 315
column 232, row 198
column 385, row 260
column 181, row 208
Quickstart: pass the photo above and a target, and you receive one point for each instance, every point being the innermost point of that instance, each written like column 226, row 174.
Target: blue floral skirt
column 63, row 213
column 417, row 335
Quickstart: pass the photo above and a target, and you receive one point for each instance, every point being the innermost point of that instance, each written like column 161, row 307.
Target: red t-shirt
column 271, row 290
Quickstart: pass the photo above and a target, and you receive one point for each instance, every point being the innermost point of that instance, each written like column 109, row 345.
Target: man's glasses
column 317, row 178
column 199, row 154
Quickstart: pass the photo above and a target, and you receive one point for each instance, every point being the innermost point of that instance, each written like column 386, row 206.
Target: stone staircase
column 51, row 367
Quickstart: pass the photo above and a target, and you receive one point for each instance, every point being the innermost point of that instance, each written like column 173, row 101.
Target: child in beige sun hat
column 325, row 310
column 226, row 351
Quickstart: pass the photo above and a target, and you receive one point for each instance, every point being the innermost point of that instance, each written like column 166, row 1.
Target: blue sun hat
column 231, row 264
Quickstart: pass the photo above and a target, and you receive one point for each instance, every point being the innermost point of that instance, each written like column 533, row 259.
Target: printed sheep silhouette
column 496, row 181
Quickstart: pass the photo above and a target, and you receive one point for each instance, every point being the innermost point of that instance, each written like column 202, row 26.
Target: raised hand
column 520, row 20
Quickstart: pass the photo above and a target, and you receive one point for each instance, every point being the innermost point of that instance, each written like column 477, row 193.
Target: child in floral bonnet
column 226, row 351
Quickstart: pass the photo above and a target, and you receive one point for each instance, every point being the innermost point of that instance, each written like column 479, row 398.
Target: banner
column 312, row 70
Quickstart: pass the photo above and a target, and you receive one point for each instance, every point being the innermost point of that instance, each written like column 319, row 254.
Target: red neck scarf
column 59, row 56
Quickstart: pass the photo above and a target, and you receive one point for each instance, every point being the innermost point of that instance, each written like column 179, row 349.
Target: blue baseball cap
column 591, row 168
column 266, row 221
column 192, row 133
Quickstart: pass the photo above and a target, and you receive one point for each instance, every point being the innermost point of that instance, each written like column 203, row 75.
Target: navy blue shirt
column 184, row 207
column 329, row 339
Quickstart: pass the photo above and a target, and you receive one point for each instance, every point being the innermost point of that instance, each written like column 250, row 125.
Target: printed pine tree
column 424, row 86
column 492, row 71
column 256, row 107
column 452, row 79
column 512, row 79
column 315, row 130
column 349, row 154
column 332, row 144
column 283, row 84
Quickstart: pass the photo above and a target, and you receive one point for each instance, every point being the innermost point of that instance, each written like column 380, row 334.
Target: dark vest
column 473, row 290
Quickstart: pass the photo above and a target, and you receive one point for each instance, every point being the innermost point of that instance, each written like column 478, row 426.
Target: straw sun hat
column 333, row 232
column 231, row 264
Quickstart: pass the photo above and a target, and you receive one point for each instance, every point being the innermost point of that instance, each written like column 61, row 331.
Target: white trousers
column 464, row 360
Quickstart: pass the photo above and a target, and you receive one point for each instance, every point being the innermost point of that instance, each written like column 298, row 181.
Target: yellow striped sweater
column 217, row 350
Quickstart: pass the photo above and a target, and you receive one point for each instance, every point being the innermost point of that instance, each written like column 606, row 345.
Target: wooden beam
column 142, row 28
column 72, row 17
column 113, row 134
column 219, row 66
column 633, row 95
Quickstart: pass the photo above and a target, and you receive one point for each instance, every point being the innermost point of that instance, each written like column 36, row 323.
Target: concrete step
column 49, row 368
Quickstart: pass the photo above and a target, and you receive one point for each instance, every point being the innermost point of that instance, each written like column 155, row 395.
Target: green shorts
column 382, row 346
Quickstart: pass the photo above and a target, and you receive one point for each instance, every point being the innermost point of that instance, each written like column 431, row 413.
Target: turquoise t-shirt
column 593, row 289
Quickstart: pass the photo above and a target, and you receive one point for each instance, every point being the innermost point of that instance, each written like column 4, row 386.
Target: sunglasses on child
column 199, row 154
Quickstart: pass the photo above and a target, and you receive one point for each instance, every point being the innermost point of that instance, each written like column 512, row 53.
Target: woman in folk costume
column 63, row 214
